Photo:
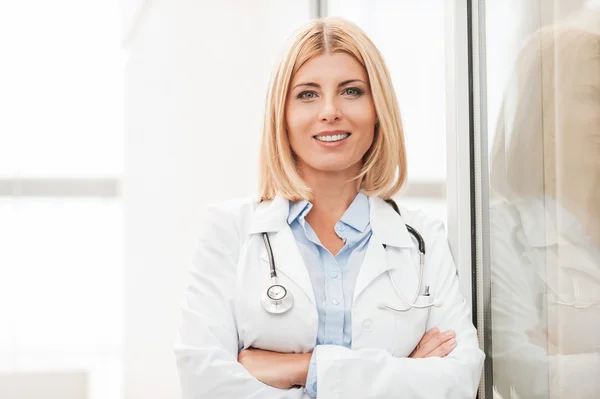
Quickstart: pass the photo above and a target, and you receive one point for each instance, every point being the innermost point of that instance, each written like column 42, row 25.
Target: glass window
column 543, row 96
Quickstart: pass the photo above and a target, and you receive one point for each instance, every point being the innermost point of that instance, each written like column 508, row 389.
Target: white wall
column 194, row 93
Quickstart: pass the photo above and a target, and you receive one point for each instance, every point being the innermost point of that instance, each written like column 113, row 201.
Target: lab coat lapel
column 271, row 217
column 374, row 264
column 388, row 228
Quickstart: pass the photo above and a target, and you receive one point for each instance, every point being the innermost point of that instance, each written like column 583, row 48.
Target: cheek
column 298, row 120
column 365, row 121
column 367, row 141
column 362, row 114
column 299, row 127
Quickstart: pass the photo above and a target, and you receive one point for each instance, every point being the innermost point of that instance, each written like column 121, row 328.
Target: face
column 330, row 115
column 577, row 124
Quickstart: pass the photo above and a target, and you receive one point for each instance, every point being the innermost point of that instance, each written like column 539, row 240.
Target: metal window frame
column 481, row 221
column 468, row 219
column 318, row 9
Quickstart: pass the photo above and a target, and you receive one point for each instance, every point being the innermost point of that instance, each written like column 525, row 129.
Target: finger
column 444, row 349
column 429, row 335
column 437, row 341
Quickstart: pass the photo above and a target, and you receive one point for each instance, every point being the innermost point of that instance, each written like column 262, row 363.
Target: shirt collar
column 297, row 209
column 387, row 225
column 356, row 216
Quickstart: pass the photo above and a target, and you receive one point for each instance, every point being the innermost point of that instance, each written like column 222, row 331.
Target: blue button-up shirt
column 333, row 277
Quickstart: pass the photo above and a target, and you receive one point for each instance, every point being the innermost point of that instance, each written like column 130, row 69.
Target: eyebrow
column 313, row 84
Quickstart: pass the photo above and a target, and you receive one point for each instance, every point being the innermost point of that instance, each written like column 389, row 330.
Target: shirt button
column 333, row 274
column 315, row 387
column 335, row 302
column 367, row 325
column 341, row 227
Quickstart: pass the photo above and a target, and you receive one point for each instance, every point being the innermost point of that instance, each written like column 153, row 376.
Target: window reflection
column 545, row 217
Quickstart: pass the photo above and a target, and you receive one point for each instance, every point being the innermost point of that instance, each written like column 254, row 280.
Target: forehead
column 337, row 66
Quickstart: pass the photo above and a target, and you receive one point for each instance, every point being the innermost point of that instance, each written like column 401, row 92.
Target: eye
column 307, row 95
column 353, row 91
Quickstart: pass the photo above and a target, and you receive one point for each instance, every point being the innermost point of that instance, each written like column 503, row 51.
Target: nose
column 330, row 112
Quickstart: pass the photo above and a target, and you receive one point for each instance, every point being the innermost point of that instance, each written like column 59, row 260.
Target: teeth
column 335, row 137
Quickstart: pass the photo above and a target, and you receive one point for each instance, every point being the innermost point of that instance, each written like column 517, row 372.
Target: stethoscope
column 556, row 299
column 552, row 294
column 577, row 302
column 277, row 299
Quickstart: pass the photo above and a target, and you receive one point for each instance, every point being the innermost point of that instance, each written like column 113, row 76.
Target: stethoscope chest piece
column 277, row 299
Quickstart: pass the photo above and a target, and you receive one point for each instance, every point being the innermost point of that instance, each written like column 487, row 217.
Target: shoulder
column 426, row 224
column 503, row 215
column 235, row 208
column 227, row 220
column 432, row 230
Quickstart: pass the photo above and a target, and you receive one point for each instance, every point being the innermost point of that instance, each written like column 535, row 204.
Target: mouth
column 332, row 138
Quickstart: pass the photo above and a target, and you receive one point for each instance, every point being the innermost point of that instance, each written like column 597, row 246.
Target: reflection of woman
column 332, row 151
column 545, row 241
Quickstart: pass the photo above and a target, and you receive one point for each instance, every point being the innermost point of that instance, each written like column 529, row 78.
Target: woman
column 545, row 218
column 332, row 152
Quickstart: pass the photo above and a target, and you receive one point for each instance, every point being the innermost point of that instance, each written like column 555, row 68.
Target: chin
column 332, row 167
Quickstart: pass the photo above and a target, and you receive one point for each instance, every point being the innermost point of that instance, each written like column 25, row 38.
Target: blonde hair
column 537, row 142
column 384, row 165
column 547, row 145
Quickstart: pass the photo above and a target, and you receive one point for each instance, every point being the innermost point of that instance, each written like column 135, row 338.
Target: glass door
column 536, row 113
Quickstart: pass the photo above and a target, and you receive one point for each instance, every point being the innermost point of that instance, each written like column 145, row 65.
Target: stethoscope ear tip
column 382, row 306
column 437, row 303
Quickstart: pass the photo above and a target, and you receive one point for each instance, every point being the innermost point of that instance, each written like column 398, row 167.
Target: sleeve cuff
column 311, row 379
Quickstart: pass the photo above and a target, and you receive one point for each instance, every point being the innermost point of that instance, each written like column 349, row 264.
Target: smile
column 333, row 138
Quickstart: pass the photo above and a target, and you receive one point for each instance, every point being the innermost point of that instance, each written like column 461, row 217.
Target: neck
column 332, row 193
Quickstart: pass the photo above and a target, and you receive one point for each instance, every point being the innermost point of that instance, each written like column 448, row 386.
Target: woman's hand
column 435, row 344
column 279, row 370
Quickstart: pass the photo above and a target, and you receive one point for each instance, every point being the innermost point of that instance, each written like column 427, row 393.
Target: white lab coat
column 222, row 312
column 532, row 261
